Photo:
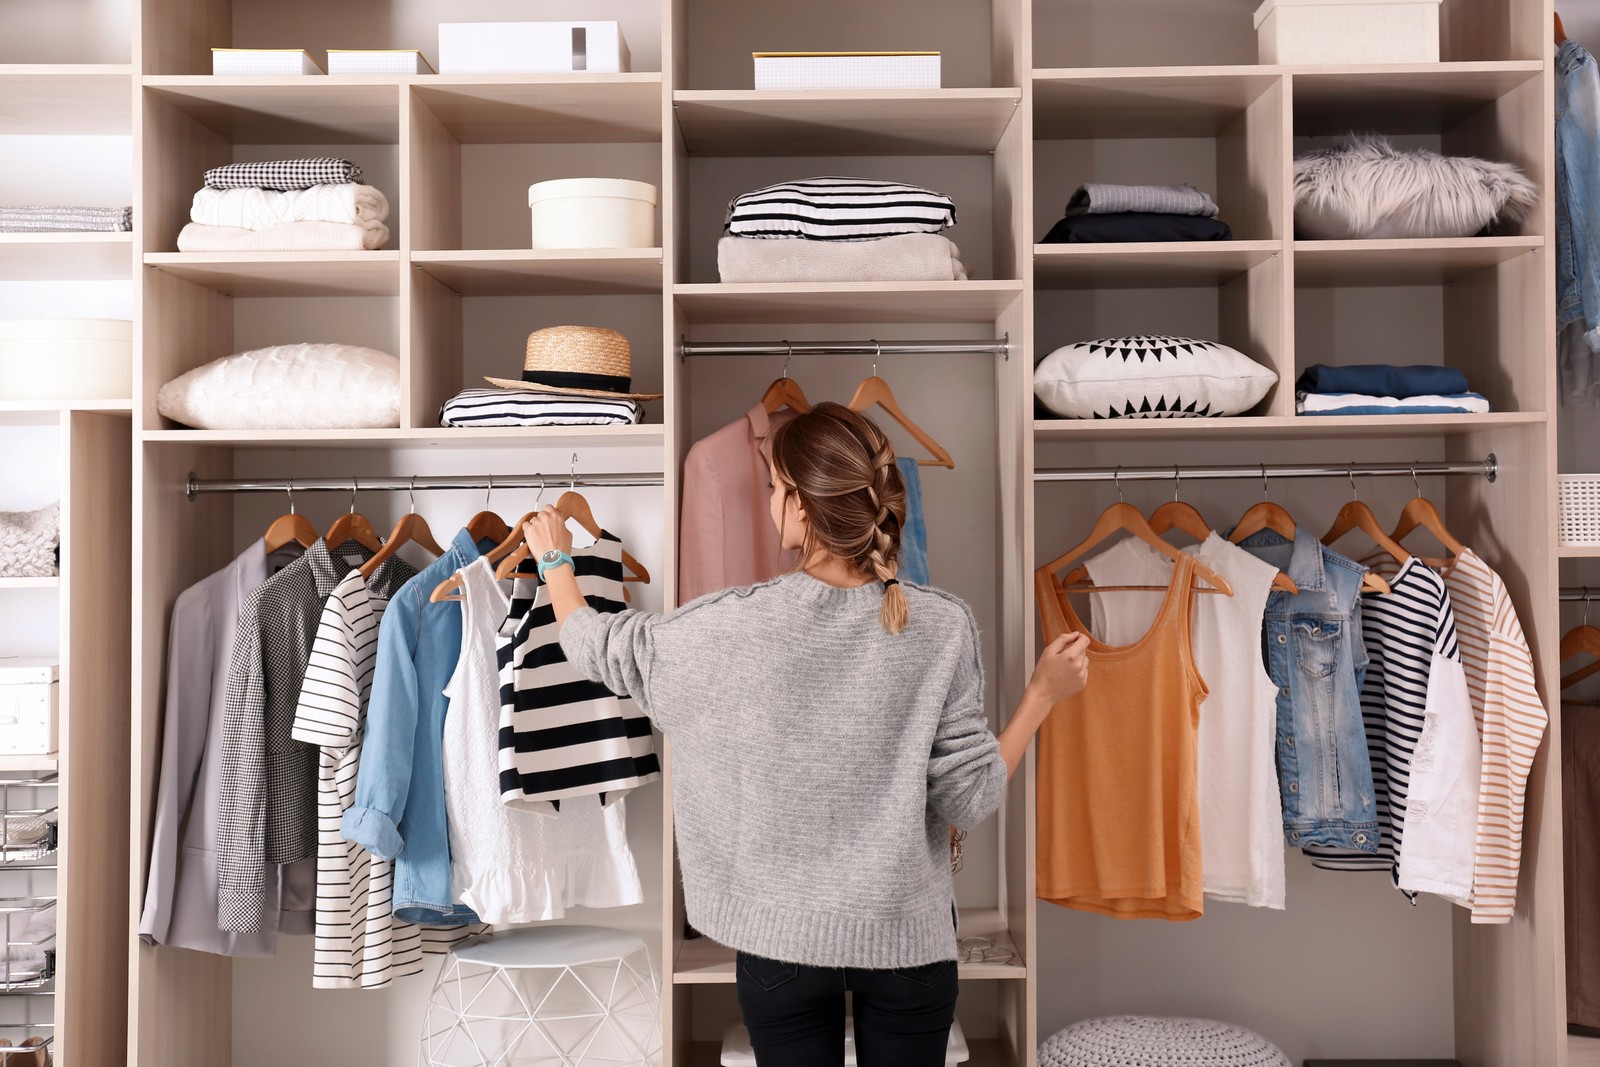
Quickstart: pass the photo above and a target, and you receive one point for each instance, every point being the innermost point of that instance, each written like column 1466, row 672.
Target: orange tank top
column 1119, row 813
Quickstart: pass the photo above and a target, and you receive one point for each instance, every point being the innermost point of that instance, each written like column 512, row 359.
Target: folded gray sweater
column 1097, row 198
column 817, row 761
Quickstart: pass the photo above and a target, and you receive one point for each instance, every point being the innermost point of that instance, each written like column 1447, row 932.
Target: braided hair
column 842, row 466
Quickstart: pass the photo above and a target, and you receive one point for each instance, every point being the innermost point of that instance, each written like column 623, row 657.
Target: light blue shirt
column 399, row 809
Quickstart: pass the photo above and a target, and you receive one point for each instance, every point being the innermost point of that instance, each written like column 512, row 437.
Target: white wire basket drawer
column 1580, row 509
column 29, row 831
column 14, row 1053
column 28, row 927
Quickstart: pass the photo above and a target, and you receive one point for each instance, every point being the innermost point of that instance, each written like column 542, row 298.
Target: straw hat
column 576, row 360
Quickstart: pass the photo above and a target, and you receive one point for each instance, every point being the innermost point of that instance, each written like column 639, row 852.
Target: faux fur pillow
column 288, row 387
column 28, row 542
column 1367, row 188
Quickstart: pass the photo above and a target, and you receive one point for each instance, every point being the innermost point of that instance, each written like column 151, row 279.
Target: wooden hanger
column 486, row 525
column 1356, row 515
column 1175, row 514
column 1561, row 31
column 1124, row 516
column 291, row 528
column 1419, row 511
column 874, row 390
column 1269, row 516
column 1578, row 641
column 352, row 527
column 412, row 528
column 785, row 392
column 571, row 506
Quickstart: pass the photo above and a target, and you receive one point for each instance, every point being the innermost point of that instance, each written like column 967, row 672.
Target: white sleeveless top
column 508, row 865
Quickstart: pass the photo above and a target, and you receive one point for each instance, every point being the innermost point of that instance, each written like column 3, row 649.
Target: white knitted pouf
column 1152, row 1041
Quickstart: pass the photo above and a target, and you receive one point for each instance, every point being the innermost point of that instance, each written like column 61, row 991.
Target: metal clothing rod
column 1487, row 468
column 1579, row 593
column 391, row 484
column 1000, row 346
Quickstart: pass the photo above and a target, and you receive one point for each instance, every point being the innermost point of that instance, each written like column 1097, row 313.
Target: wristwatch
column 553, row 558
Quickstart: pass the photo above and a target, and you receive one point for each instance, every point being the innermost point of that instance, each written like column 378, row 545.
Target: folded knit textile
column 283, row 174
column 1363, row 404
column 839, row 209
column 285, row 237
column 1136, row 226
column 49, row 218
column 526, row 407
column 1382, row 379
column 909, row 257
column 257, row 209
column 1098, row 198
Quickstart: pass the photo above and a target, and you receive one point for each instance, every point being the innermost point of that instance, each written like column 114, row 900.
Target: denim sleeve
column 384, row 780
column 617, row 650
column 966, row 772
column 1577, row 133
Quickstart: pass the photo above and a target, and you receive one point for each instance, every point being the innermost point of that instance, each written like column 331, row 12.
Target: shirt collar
column 328, row 565
column 1305, row 567
column 463, row 550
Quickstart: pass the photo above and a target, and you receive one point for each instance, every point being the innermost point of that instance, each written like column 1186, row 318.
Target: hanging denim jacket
column 1578, row 190
column 1311, row 644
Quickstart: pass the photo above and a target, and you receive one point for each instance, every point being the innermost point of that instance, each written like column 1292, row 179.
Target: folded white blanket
column 257, row 209
column 910, row 257
column 285, row 237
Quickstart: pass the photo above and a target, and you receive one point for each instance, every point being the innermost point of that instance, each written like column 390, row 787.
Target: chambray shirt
column 399, row 809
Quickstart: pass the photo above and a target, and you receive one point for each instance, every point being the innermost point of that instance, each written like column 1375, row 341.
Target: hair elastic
column 889, row 582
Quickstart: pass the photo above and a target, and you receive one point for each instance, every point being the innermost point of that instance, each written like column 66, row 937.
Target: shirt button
column 1294, row 835
column 1294, row 787
column 1284, row 690
column 1361, row 839
column 1283, row 639
column 1290, row 742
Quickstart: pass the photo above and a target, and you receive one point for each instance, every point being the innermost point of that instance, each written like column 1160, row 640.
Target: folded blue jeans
column 1381, row 379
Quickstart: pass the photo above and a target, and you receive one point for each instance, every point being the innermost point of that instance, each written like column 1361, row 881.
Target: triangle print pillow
column 1150, row 377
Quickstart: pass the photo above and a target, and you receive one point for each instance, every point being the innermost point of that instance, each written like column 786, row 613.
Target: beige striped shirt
column 1511, row 720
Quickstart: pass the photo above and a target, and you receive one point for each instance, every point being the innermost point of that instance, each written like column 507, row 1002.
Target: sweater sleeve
column 617, row 650
column 966, row 772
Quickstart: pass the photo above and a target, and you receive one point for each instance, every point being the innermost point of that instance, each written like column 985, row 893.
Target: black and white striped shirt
column 527, row 407
column 1404, row 631
column 839, row 209
column 562, row 735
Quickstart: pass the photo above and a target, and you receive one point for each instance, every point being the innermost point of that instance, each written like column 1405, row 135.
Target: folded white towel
column 286, row 237
column 909, row 257
column 257, row 209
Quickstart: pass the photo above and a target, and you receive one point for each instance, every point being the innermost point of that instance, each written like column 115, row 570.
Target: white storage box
column 1578, row 501
column 263, row 61
column 592, row 213
column 377, row 61
column 846, row 70
column 531, row 48
column 66, row 359
column 29, row 699
column 1348, row 31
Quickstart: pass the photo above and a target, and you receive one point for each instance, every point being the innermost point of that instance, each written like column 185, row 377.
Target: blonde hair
column 843, row 469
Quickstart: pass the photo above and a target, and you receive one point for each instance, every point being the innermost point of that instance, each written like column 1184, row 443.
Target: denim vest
column 1578, row 190
column 1311, row 644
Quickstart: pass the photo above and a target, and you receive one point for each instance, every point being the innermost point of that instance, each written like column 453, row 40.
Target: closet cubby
column 96, row 32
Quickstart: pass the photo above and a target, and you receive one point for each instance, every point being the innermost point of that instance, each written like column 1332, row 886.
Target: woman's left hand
column 547, row 530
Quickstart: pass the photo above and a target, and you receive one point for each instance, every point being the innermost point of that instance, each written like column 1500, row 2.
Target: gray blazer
column 180, row 901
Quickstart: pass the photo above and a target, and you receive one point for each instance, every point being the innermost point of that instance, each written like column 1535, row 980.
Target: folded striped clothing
column 838, row 209
column 529, row 407
column 257, row 209
column 285, row 237
column 283, row 174
column 907, row 257
column 1361, row 404
column 49, row 218
column 1099, row 198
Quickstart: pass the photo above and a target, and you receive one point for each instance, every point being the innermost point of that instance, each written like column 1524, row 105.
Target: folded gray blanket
column 908, row 257
column 48, row 218
column 283, row 174
column 1097, row 198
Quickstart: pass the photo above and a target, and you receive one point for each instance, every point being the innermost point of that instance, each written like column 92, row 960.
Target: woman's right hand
column 1063, row 668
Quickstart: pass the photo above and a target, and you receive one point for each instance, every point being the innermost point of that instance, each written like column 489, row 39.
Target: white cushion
column 1157, row 1041
column 28, row 542
column 1149, row 378
column 288, row 387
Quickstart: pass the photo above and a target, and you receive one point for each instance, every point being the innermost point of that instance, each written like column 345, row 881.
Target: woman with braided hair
column 827, row 728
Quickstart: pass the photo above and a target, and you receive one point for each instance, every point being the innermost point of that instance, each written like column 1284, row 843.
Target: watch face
column 551, row 556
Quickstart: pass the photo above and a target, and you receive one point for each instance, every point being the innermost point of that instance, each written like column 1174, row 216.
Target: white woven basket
column 1580, row 509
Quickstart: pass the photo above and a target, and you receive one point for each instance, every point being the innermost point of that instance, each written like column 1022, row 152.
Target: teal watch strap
column 561, row 560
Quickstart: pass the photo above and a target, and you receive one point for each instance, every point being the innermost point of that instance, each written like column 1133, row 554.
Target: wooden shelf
column 54, row 408
column 1075, row 103
column 66, row 98
column 30, row 583
column 1583, row 1051
column 1409, row 98
column 375, row 273
column 1578, row 552
column 517, row 272
column 1151, row 265
column 65, row 256
column 645, row 437
column 870, row 122
column 547, row 108
column 362, row 109
column 703, row 961
column 13, row 763
column 847, row 301
column 1286, row 427
column 1321, row 264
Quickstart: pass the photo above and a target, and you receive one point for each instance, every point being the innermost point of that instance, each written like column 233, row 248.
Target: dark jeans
column 795, row 1013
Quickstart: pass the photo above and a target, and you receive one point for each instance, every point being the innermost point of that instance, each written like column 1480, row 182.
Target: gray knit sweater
column 817, row 761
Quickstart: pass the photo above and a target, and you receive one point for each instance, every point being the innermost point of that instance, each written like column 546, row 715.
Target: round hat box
column 592, row 213
column 66, row 359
